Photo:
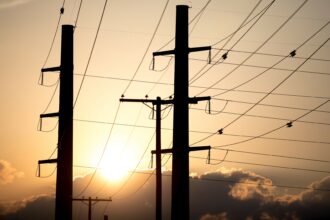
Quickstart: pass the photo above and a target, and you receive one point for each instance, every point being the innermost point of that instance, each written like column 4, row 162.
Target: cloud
column 35, row 207
column 214, row 196
column 8, row 173
column 12, row 3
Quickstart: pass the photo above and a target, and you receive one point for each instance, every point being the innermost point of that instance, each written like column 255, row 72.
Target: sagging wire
column 220, row 161
column 152, row 65
column 39, row 126
column 209, row 111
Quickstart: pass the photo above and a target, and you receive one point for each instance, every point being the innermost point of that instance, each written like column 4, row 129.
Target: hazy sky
column 256, row 71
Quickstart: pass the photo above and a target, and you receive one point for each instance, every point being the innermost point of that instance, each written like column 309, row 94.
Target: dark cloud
column 37, row 207
column 214, row 196
column 8, row 173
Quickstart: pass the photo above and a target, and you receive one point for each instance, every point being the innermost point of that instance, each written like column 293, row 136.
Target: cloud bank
column 8, row 173
column 214, row 196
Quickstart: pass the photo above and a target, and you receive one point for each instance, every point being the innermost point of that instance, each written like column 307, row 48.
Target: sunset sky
column 258, row 164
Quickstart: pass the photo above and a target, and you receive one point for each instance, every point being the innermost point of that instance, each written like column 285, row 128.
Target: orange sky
column 28, row 26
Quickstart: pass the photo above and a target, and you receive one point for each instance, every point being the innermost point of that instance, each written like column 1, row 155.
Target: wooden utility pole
column 158, row 102
column 90, row 202
column 180, row 164
column 63, row 203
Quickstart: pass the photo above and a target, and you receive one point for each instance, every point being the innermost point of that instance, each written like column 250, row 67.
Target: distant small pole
column 90, row 203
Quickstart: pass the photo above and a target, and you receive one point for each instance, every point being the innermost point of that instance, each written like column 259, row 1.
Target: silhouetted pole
column 90, row 202
column 158, row 102
column 158, row 161
column 180, row 165
column 105, row 217
column 63, row 203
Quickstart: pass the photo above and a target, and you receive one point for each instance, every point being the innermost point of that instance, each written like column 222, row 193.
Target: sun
column 115, row 165
column 114, row 172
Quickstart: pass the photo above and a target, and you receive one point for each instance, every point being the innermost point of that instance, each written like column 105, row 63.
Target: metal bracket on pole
column 44, row 162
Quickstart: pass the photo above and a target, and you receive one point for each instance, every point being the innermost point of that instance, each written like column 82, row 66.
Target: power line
column 278, row 62
column 192, row 20
column 256, row 50
column 269, row 105
column 91, row 53
column 78, row 14
column 146, row 51
column 279, row 84
column 270, row 54
column 203, row 132
column 263, row 67
column 265, row 117
column 273, row 155
column 54, row 36
column 264, row 165
column 261, row 135
column 224, row 56
column 204, row 87
column 103, row 152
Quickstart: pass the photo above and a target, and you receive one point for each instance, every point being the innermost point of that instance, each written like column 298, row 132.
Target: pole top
column 182, row 6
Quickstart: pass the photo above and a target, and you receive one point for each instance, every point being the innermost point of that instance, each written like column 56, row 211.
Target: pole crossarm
column 195, row 100
column 96, row 199
column 169, row 52
column 91, row 201
column 48, row 115
column 47, row 161
column 169, row 151
column 51, row 69
column 153, row 101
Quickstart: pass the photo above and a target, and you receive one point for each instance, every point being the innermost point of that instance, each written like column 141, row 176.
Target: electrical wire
column 263, row 165
column 268, row 132
column 78, row 14
column 279, row 84
column 203, row 87
column 103, row 152
column 278, row 62
column 148, row 47
column 205, row 132
column 192, row 20
column 259, row 15
column 268, row 105
column 261, row 67
column 273, row 155
column 271, row 54
column 91, row 53
column 261, row 116
column 256, row 50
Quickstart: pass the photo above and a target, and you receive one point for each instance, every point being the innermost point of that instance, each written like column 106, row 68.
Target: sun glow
column 116, row 165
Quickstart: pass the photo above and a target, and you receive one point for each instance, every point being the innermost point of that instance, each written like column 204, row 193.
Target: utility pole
column 63, row 203
column 181, row 149
column 90, row 203
column 158, row 102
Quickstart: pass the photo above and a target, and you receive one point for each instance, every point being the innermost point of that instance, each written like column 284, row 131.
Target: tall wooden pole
column 180, row 150
column 63, row 205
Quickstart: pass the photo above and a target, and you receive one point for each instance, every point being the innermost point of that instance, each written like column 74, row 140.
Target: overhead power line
column 273, row 155
column 204, row 132
column 263, row 165
column 204, row 87
column 256, row 50
column 91, row 53
column 148, row 47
